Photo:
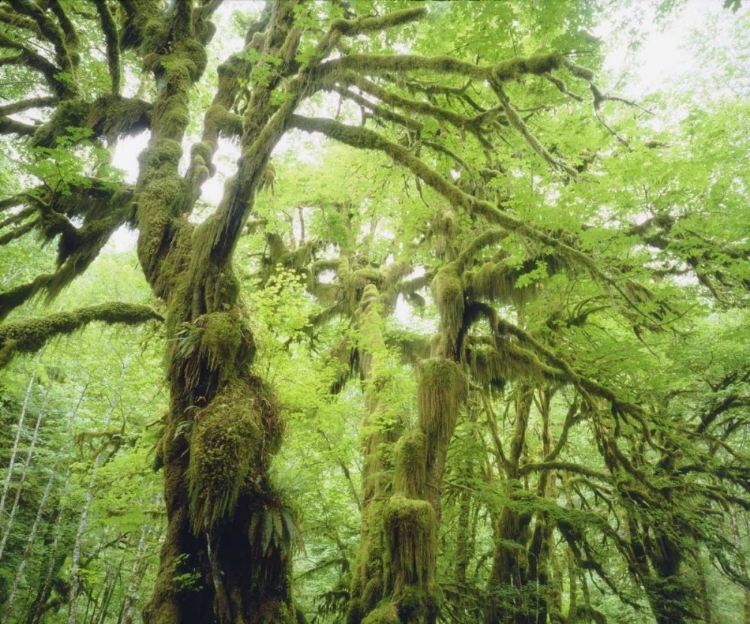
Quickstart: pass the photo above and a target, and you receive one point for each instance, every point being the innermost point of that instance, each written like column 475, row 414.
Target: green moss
column 161, row 152
column 226, row 439
column 225, row 342
column 449, row 296
column 495, row 281
column 385, row 614
column 440, row 394
column 410, row 477
column 410, row 528
column 488, row 366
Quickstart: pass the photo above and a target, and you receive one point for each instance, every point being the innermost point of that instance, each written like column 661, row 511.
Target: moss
column 410, row 477
column 222, row 340
column 221, row 121
column 449, row 296
column 440, row 394
column 495, row 281
column 513, row 69
column 410, row 528
column 161, row 152
column 488, row 366
column 154, row 34
column 226, row 438
column 385, row 614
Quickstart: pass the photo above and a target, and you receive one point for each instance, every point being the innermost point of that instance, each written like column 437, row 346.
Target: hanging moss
column 488, row 366
column 441, row 392
column 410, row 528
column 449, row 296
column 495, row 281
column 410, row 476
column 226, row 439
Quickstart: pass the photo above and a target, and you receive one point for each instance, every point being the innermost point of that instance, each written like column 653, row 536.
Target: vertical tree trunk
column 74, row 566
column 369, row 571
column 140, row 564
column 19, row 429
column 24, row 473
column 40, row 511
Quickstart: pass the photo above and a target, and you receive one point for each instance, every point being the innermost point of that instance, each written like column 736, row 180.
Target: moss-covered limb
column 487, row 238
column 28, row 336
column 112, row 41
column 363, row 25
column 364, row 138
column 20, row 21
column 510, row 69
column 520, row 125
column 18, row 231
column 11, row 126
column 566, row 467
column 30, row 58
column 415, row 106
column 66, row 59
column 24, row 105
column 110, row 116
column 138, row 14
column 72, row 41
column 77, row 247
column 381, row 113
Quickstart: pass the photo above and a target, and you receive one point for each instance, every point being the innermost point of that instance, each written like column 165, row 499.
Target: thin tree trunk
column 24, row 473
column 40, row 512
column 75, row 573
column 136, row 576
column 19, row 428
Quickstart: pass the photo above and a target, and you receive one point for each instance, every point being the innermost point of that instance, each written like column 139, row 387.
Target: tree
column 531, row 284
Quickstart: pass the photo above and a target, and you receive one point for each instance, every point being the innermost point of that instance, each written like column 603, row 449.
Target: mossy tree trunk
column 377, row 474
column 412, row 514
column 218, row 562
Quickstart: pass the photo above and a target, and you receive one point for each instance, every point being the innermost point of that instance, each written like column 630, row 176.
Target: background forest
column 373, row 311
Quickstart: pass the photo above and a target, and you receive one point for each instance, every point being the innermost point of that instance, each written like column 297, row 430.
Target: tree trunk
column 227, row 551
column 369, row 571
column 24, row 473
column 40, row 511
column 74, row 566
column 140, row 564
column 19, row 429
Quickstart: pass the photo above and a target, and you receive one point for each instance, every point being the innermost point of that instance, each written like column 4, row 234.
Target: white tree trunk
column 40, row 512
column 75, row 572
column 24, row 473
column 136, row 576
column 19, row 428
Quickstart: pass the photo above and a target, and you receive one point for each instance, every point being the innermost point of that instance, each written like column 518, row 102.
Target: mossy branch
column 20, row 21
column 24, row 105
column 515, row 120
column 37, row 62
column 11, row 126
column 51, row 32
column 527, row 469
column 28, row 336
column 510, row 69
column 364, row 138
column 113, row 45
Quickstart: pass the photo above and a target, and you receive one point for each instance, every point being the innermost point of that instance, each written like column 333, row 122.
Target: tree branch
column 30, row 335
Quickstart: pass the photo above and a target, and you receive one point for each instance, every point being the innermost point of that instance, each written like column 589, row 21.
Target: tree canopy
column 425, row 321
